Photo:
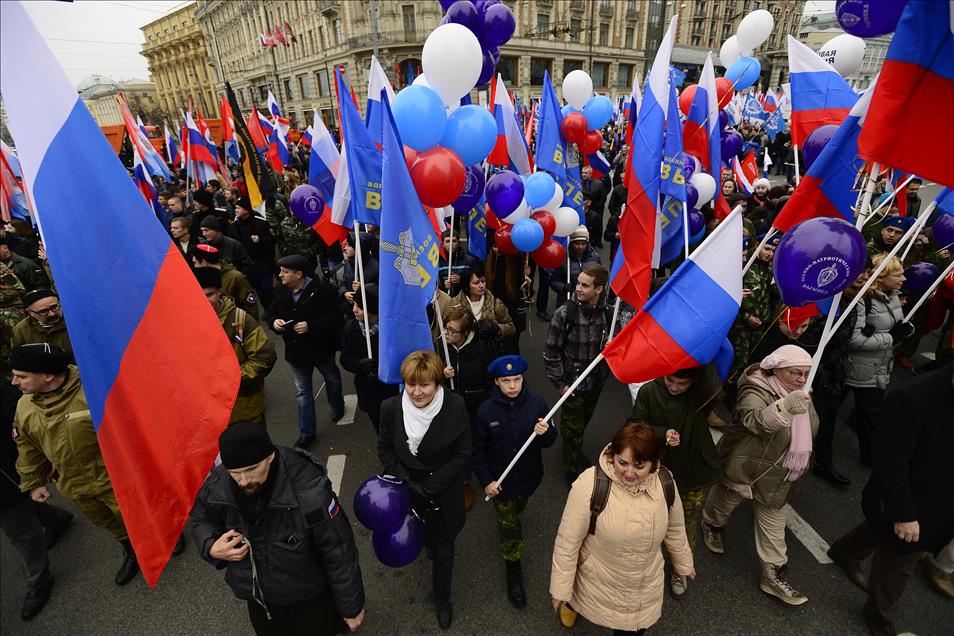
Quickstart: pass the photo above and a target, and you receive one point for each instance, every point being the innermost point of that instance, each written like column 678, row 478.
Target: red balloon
column 574, row 127
column 547, row 221
column 591, row 142
column 439, row 177
column 503, row 242
column 410, row 156
column 686, row 97
column 550, row 255
column 723, row 91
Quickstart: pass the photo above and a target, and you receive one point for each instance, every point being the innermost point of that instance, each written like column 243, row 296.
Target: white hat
column 761, row 182
column 580, row 234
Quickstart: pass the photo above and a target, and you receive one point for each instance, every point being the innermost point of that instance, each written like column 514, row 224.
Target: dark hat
column 37, row 294
column 207, row 253
column 203, row 197
column 296, row 262
column 507, row 365
column 215, row 183
column 244, row 444
column 211, row 223
column 245, row 203
column 903, row 223
column 371, row 292
column 39, row 357
column 208, row 277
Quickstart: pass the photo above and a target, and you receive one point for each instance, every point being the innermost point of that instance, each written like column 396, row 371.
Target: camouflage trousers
column 574, row 416
column 692, row 501
column 508, row 523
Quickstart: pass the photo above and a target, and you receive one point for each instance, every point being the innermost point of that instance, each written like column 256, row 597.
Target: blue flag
column 364, row 160
column 672, row 175
column 753, row 110
column 678, row 76
column 551, row 149
column 477, row 231
column 775, row 124
column 671, row 232
column 572, row 185
column 408, row 261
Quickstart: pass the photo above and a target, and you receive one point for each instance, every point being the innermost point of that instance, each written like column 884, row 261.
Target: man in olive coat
column 44, row 321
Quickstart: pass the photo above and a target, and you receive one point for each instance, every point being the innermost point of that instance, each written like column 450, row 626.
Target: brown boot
column 468, row 497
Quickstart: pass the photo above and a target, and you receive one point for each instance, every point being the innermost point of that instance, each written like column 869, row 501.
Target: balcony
column 606, row 8
column 632, row 13
column 328, row 7
column 577, row 5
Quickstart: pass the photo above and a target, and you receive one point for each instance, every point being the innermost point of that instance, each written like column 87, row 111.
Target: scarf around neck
column 418, row 421
column 800, row 446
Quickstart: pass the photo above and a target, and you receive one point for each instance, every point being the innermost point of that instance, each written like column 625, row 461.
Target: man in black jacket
column 253, row 233
column 305, row 313
column 908, row 502
column 269, row 515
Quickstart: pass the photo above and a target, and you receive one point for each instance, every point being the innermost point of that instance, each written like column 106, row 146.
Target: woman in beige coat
column 614, row 577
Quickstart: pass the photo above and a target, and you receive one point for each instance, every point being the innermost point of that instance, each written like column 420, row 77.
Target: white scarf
column 418, row 421
column 476, row 307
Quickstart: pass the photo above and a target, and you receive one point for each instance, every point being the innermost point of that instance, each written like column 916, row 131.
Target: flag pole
column 450, row 254
column 888, row 199
column 685, row 228
column 440, row 328
column 798, row 178
column 612, row 328
column 924, row 212
column 927, row 293
column 768, row 236
column 364, row 298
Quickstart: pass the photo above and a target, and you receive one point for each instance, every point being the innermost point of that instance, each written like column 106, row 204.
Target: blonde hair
column 422, row 367
column 893, row 268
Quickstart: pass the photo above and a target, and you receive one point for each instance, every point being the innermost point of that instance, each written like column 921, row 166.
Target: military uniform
column 290, row 235
column 11, row 313
column 256, row 357
column 236, row 286
column 29, row 272
column 29, row 331
column 56, row 441
column 761, row 304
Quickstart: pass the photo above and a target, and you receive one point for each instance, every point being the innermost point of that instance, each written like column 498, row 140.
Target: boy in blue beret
column 504, row 422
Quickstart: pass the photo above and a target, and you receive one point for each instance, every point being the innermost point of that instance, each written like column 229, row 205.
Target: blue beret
column 900, row 222
column 507, row 365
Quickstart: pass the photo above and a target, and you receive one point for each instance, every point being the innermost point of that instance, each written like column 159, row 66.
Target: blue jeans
column 305, row 395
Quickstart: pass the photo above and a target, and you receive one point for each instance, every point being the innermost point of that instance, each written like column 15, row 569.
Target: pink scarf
column 800, row 446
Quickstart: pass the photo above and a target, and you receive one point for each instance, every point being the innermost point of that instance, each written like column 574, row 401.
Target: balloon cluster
column 383, row 505
column 743, row 70
column 585, row 113
column 490, row 22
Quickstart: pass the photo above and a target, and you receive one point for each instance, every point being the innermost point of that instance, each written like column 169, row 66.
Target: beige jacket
column 615, row 577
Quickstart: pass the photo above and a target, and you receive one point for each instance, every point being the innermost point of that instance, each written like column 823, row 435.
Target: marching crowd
column 269, row 517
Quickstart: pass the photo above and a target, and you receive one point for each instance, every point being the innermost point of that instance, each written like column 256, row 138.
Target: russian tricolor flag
column 912, row 112
column 827, row 187
column 685, row 323
column 746, row 172
column 769, row 104
column 273, row 106
column 325, row 159
column 377, row 82
column 157, row 449
column 511, row 149
column 172, row 148
column 146, row 188
column 819, row 94
column 702, row 131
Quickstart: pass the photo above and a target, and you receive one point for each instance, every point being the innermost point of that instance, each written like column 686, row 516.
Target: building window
column 410, row 26
column 543, row 24
column 655, row 13
column 507, row 69
column 652, row 43
column 572, row 65
column 321, row 37
column 286, row 83
column 538, row 66
column 304, row 86
column 324, row 89
column 604, row 34
column 263, row 94
column 576, row 25
column 599, row 73
column 623, row 74
column 696, row 40
column 630, row 37
column 339, row 34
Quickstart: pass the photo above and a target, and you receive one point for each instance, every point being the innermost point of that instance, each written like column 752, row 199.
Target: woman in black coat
column 425, row 441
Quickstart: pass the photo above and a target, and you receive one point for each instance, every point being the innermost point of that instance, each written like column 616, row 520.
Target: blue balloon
column 920, row 276
column 598, row 111
column 527, row 234
column 381, row 502
column 306, row 204
column 498, row 26
column 692, row 195
column 816, row 142
column 487, row 69
column 869, row 18
column 943, row 230
column 504, row 193
column 538, row 189
column 743, row 73
column 446, row 4
column 698, row 236
column 697, row 223
column 473, row 190
column 471, row 132
column 723, row 119
column 399, row 546
column 566, row 110
column 689, row 168
column 420, row 117
column 463, row 12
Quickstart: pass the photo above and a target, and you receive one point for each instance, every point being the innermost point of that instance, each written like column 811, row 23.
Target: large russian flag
column 820, row 95
column 639, row 225
column 511, row 150
column 827, row 189
column 128, row 297
column 685, row 323
column 915, row 96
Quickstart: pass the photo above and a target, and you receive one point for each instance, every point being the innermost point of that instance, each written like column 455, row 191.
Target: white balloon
column 845, row 52
column 522, row 212
column 705, row 185
column 555, row 201
column 421, row 80
column 577, row 88
column 567, row 220
column 755, row 29
column 729, row 52
column 452, row 59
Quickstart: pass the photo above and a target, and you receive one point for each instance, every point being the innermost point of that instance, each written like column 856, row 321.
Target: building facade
column 818, row 29
column 179, row 63
column 100, row 94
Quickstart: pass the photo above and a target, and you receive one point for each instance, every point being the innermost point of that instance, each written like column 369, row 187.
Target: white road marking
column 351, row 406
column 335, row 467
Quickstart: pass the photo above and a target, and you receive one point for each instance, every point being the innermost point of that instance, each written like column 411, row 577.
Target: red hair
column 640, row 438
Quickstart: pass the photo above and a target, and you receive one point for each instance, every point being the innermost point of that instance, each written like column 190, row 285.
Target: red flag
column 289, row 32
column 280, row 36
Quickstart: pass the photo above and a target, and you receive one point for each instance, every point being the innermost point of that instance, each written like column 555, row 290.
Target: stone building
column 179, row 63
column 817, row 29
column 100, row 93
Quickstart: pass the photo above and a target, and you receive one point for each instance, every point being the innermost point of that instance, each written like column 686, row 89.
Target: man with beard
column 44, row 321
column 269, row 515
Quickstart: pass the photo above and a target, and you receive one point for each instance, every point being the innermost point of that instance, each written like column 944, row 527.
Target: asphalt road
column 192, row 598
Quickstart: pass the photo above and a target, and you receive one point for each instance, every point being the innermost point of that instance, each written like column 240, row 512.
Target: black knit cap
column 209, row 277
column 203, row 197
column 245, row 203
column 39, row 357
column 211, row 223
column 244, row 444
column 37, row 294
column 371, row 292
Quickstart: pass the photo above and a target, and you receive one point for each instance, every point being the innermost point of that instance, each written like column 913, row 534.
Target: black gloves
column 901, row 331
column 416, row 489
column 868, row 330
column 487, row 330
column 368, row 368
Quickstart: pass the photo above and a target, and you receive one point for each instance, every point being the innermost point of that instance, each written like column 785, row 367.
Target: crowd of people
column 269, row 515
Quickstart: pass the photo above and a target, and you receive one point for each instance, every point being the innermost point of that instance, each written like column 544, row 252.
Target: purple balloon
column 697, row 221
column 444, row 20
column 483, row 5
column 306, row 204
column 919, row 276
column 723, row 119
column 487, row 70
column 731, row 144
column 869, row 18
column 446, row 4
column 499, row 25
column 504, row 193
column 816, row 259
column 473, row 189
column 465, row 13
column 494, row 52
column 816, row 143
column 690, row 166
column 692, row 195
column 381, row 502
column 399, row 546
column 943, row 230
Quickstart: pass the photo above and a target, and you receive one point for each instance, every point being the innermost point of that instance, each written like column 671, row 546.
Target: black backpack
column 601, row 490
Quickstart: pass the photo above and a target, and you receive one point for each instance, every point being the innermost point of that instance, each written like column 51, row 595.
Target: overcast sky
column 98, row 37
